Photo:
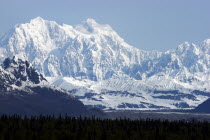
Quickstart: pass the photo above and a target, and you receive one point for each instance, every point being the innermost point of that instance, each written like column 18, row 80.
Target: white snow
column 93, row 58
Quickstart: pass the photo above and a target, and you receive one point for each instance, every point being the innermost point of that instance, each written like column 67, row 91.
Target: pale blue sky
column 145, row 24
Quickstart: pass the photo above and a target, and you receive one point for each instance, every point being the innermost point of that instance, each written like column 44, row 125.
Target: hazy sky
column 145, row 24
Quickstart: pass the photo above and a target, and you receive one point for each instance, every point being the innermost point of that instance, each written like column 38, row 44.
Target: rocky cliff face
column 17, row 73
column 23, row 90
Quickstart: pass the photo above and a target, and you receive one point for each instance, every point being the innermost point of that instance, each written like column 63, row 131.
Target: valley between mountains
column 93, row 63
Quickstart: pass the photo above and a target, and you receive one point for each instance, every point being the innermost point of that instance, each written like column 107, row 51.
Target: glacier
column 94, row 63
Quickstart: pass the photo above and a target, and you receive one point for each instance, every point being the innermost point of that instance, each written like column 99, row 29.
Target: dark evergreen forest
column 71, row 128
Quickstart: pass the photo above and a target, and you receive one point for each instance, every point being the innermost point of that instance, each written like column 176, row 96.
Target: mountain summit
column 25, row 91
column 16, row 73
column 88, row 50
column 93, row 58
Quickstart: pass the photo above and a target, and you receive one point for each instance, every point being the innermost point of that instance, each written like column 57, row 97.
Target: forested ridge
column 71, row 128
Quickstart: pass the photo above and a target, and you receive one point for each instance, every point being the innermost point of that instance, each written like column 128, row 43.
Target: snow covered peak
column 16, row 73
column 183, row 46
column 22, row 70
column 40, row 23
column 91, row 22
column 206, row 46
column 90, row 26
column 187, row 48
column 37, row 20
column 206, row 42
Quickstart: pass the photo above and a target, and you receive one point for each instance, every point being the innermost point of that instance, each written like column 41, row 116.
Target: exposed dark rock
column 203, row 107
column 25, row 91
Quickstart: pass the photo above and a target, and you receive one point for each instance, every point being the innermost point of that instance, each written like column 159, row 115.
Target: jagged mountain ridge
column 17, row 73
column 23, row 90
column 96, row 52
column 90, row 50
column 97, row 59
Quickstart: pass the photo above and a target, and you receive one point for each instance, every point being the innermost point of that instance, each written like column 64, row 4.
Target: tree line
column 81, row 128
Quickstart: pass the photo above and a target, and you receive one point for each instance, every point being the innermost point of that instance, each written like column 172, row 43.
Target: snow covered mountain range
column 92, row 61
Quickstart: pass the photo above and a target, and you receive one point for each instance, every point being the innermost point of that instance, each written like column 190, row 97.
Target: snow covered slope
column 23, row 90
column 93, row 58
column 88, row 51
